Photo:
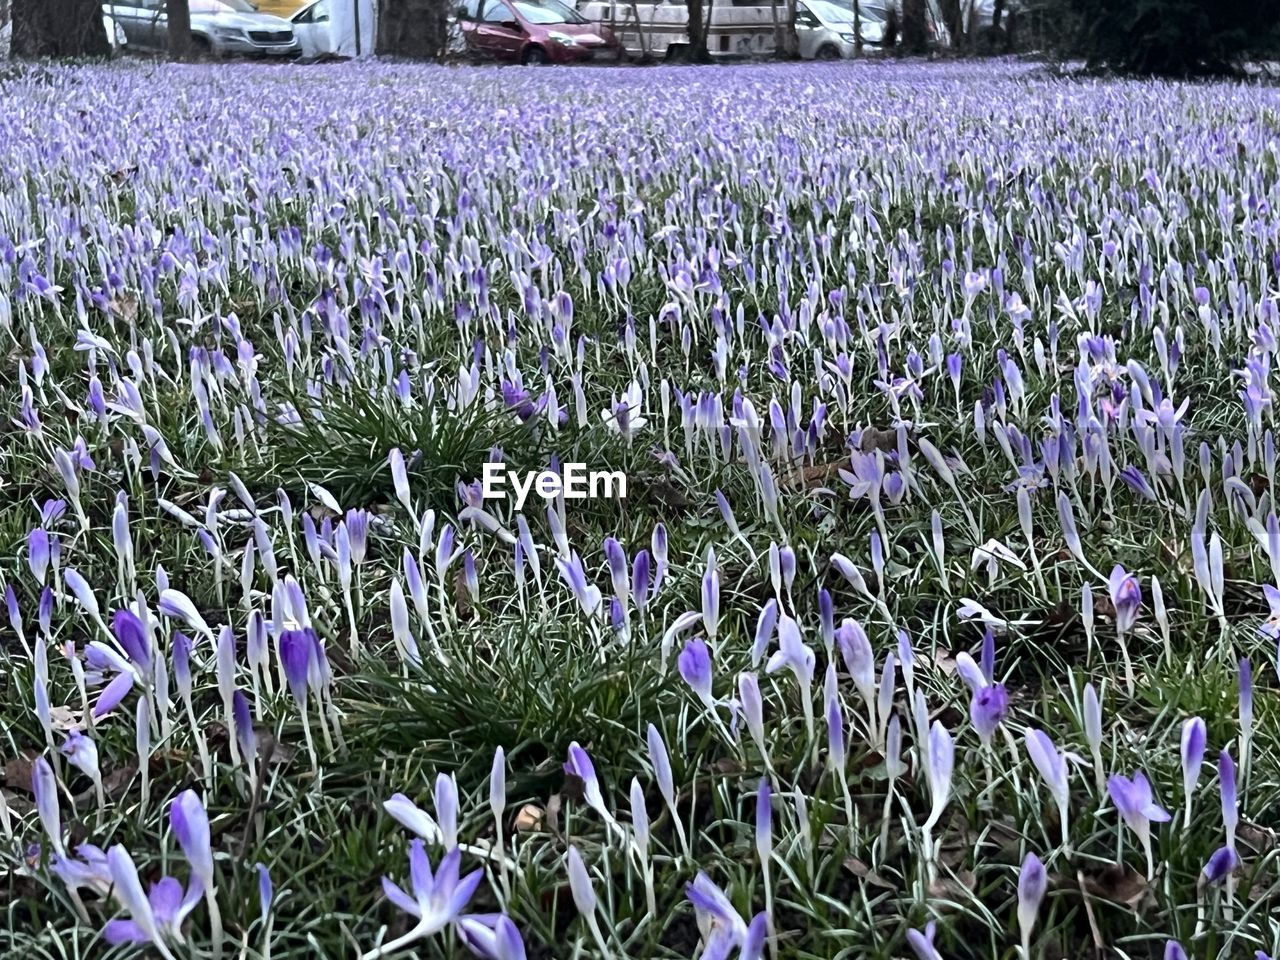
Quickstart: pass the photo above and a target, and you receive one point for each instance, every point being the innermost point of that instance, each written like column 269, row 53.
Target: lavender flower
column 1135, row 803
column 437, row 898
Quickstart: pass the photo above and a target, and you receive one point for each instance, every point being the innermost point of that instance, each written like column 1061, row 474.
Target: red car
column 534, row 31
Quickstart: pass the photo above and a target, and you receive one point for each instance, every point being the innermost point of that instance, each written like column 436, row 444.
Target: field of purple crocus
column 939, row 620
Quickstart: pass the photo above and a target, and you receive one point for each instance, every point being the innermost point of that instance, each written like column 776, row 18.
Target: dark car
column 533, row 31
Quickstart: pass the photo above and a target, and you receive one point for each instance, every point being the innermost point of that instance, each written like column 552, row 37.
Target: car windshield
column 547, row 11
column 211, row 6
column 829, row 11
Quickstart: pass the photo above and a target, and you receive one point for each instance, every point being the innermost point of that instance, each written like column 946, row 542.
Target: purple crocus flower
column 169, row 906
column 921, row 942
column 721, row 926
column 297, row 649
column 1033, row 881
column 579, row 765
column 1126, row 597
column 1230, row 799
column 1052, row 767
column 44, row 787
column 155, row 919
column 242, row 718
column 1222, row 863
column 1134, row 801
column 438, row 897
column 695, row 667
column 493, row 936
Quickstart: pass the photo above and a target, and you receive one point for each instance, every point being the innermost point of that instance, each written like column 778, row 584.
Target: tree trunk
column 58, row 28
column 697, row 31
column 953, row 14
column 179, row 13
column 915, row 27
column 857, row 27
column 417, row 29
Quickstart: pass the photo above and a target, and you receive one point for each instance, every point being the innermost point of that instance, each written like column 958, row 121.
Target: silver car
column 221, row 28
column 825, row 29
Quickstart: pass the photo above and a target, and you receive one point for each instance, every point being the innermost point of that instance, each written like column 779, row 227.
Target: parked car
column 660, row 30
column 533, row 31
column 220, row 28
column 311, row 27
column 825, row 29
column 115, row 33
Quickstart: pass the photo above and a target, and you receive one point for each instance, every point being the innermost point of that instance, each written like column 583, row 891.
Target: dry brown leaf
column 1121, row 884
column 864, row 872
column 17, row 773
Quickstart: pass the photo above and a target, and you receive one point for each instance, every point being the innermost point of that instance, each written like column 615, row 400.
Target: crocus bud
column 1033, row 881
column 1193, row 744
column 265, row 892
column 711, row 596
column 764, row 821
column 44, row 786
column 695, row 667
column 941, row 761
column 246, row 739
column 765, row 625
column 752, row 709
column 190, row 825
column 498, row 783
column 1230, row 802
column 446, row 804
column 661, row 765
column 296, row 652
column 639, row 816
column 584, row 895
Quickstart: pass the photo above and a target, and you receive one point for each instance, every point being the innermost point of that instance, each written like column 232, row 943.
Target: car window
column 469, row 10
column 209, row 6
column 548, row 11
column 316, row 13
column 495, row 11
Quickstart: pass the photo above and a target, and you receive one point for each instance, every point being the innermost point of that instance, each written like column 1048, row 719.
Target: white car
column 825, row 29
column 311, row 27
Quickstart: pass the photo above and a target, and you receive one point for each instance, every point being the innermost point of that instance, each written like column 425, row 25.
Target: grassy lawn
column 943, row 397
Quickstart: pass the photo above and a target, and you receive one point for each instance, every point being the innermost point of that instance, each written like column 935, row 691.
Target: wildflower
column 437, row 899
column 1222, row 863
column 695, row 667
column 1192, row 752
column 584, row 895
column 154, row 919
column 579, row 765
column 493, row 936
column 719, row 923
column 190, row 824
column 939, row 764
column 1133, row 799
column 1032, row 884
column 1052, row 767
column 1126, row 597
column 921, row 942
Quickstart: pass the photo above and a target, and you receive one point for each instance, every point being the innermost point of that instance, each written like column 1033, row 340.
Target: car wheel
column 201, row 48
column 534, row 55
column 828, row 52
